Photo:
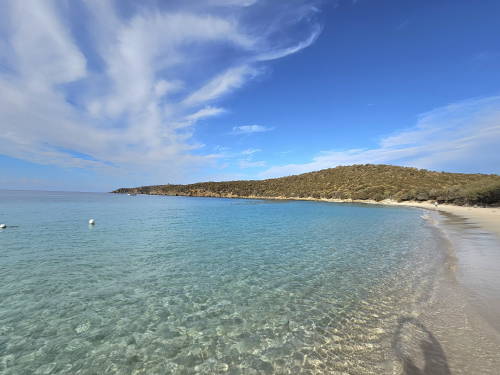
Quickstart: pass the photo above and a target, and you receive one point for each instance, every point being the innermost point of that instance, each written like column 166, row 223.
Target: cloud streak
column 461, row 137
column 250, row 129
column 119, row 86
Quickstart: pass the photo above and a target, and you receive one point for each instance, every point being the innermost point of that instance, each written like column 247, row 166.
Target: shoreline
column 463, row 312
column 458, row 318
column 486, row 217
column 417, row 312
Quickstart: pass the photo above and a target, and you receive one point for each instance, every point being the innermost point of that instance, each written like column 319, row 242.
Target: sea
column 186, row 285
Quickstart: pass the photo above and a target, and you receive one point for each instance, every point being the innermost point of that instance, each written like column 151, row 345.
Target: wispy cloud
column 208, row 111
column 249, row 129
column 251, row 164
column 248, row 159
column 119, row 85
column 251, row 151
column 462, row 136
column 241, row 159
column 227, row 81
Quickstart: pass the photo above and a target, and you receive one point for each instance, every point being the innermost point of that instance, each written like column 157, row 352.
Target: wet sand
column 462, row 316
column 458, row 332
column 457, row 329
column 486, row 217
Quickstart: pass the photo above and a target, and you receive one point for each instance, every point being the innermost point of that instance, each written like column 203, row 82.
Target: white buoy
column 3, row 226
column 91, row 222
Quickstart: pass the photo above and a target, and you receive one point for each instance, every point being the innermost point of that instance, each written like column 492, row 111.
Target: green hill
column 359, row 182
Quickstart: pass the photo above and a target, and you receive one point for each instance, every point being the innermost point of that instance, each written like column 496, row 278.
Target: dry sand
column 486, row 217
column 463, row 313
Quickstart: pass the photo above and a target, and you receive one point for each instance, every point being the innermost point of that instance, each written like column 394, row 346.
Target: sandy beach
column 486, row 217
column 463, row 313
column 360, row 289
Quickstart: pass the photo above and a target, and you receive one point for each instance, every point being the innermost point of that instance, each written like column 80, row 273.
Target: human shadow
column 423, row 346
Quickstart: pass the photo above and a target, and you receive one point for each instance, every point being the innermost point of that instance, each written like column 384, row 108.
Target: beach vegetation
column 356, row 182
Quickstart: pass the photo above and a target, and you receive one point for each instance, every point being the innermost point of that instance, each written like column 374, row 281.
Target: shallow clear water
column 197, row 285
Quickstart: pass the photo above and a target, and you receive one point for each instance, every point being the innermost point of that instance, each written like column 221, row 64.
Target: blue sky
column 97, row 95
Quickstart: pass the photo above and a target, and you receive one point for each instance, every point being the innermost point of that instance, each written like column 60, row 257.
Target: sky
column 98, row 94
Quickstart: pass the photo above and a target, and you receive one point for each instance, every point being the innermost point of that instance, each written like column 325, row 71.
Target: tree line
column 359, row 182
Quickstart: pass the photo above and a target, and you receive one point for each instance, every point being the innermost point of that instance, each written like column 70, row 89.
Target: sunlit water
column 180, row 285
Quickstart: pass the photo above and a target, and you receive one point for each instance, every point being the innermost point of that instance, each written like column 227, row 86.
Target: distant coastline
column 353, row 183
column 452, row 300
column 486, row 217
column 473, row 196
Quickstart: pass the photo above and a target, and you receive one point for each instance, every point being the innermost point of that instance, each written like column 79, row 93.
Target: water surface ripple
column 191, row 285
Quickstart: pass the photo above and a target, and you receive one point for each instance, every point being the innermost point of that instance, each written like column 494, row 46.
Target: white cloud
column 226, row 153
column 208, row 111
column 462, row 136
column 248, row 162
column 229, row 80
column 44, row 58
column 241, row 159
column 250, row 151
column 272, row 55
column 121, row 88
column 249, row 129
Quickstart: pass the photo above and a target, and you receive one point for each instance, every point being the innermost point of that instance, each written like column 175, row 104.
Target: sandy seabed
column 462, row 320
column 458, row 329
column 459, row 332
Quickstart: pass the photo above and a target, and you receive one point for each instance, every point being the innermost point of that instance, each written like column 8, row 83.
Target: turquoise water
column 183, row 285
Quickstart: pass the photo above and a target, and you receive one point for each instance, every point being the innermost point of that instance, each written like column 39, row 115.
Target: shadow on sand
column 418, row 350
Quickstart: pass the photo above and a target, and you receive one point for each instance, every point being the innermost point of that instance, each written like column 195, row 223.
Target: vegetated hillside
column 360, row 182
